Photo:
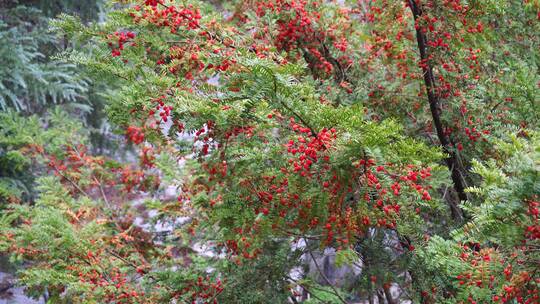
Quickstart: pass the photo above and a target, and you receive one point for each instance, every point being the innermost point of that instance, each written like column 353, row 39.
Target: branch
column 307, row 289
column 325, row 278
column 452, row 161
column 71, row 182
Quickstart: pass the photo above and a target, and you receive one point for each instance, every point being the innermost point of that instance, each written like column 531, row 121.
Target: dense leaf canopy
column 318, row 151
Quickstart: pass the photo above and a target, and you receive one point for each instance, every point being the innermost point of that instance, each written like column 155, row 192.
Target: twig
column 325, row 278
column 71, row 182
column 307, row 289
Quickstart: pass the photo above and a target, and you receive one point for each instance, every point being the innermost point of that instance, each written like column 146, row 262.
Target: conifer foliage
column 29, row 78
column 401, row 135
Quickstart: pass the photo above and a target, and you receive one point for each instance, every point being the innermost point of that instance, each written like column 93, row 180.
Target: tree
column 344, row 125
column 492, row 258
column 30, row 80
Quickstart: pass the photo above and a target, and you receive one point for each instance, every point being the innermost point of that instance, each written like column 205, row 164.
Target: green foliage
column 323, row 294
column 267, row 146
column 259, row 281
column 68, row 231
column 29, row 79
column 87, row 10
column 51, row 232
column 499, row 219
column 506, row 185
column 18, row 135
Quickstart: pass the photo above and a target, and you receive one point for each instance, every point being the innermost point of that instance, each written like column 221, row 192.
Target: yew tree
column 400, row 134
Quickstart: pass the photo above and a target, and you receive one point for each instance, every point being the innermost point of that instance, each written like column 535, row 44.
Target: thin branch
column 307, row 289
column 325, row 278
column 71, row 182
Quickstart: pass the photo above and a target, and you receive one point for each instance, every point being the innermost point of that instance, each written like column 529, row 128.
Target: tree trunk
column 453, row 162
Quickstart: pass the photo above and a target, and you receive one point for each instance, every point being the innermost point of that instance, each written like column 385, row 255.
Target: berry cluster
column 120, row 38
